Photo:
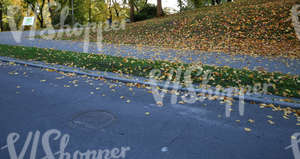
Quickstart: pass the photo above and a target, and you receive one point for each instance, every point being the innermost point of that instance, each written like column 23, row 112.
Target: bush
column 147, row 12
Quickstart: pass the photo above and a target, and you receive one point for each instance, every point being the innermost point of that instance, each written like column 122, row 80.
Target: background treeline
column 49, row 12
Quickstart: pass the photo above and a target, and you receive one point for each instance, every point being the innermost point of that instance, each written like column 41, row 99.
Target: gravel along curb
column 257, row 98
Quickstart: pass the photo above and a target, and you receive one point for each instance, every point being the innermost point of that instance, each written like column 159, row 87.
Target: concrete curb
column 258, row 98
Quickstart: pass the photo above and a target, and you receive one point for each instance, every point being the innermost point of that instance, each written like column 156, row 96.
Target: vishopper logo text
column 191, row 95
column 64, row 139
column 295, row 140
column 66, row 30
column 295, row 11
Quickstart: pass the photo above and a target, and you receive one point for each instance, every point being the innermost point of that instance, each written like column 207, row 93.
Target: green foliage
column 140, row 4
column 147, row 12
column 198, row 3
column 192, row 4
column 16, row 10
column 101, row 10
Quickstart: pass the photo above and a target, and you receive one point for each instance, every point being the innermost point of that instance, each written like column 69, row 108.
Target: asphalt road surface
column 107, row 115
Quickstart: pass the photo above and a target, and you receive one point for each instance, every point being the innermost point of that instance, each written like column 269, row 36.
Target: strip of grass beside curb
column 282, row 85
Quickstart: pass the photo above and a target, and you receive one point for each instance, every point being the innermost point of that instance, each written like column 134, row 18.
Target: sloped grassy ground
column 256, row 27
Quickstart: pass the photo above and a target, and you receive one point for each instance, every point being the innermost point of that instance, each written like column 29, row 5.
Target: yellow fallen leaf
column 247, row 129
column 286, row 100
column 251, row 121
column 49, row 70
column 159, row 103
column 271, row 122
column 285, row 117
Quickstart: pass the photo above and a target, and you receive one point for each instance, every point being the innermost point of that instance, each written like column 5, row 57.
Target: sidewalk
column 279, row 64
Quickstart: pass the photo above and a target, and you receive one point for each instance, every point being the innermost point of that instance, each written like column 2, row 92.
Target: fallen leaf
column 247, row 129
column 251, row 121
column 271, row 122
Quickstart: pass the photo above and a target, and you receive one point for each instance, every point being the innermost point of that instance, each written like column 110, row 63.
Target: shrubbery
column 147, row 12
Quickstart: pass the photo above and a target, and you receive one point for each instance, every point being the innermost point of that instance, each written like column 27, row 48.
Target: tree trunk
column 41, row 20
column 71, row 4
column 180, row 5
column 116, row 9
column 110, row 17
column 90, row 11
column 131, row 10
column 1, row 16
column 136, row 7
column 51, row 12
column 41, row 13
column 213, row 2
column 159, row 8
column 73, row 18
column 117, row 12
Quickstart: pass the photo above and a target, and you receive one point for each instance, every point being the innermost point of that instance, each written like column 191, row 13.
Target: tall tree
column 131, row 5
column 1, row 16
column 159, row 9
column 198, row 3
column 51, row 10
column 110, row 12
column 180, row 4
column 116, row 6
column 90, row 10
column 37, row 8
column 215, row 2
column 72, row 11
column 140, row 4
column 3, row 12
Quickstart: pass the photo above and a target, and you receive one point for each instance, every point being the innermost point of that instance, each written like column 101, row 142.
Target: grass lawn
column 252, row 27
column 283, row 85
